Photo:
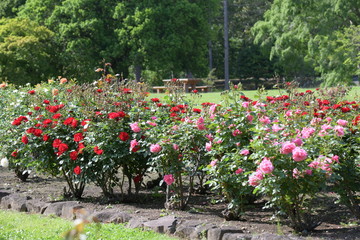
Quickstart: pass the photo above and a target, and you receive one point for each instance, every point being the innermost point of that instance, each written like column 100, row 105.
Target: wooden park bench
column 159, row 89
column 203, row 88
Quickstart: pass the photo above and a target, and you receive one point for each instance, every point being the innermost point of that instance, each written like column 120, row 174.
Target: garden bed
column 336, row 220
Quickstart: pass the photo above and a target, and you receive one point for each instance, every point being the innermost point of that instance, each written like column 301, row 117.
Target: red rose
column 99, row 90
column 78, row 137
column 135, row 149
column 46, row 137
column 325, row 102
column 25, row 139
column 56, row 143
column 345, row 109
column 30, row 130
column 81, row 147
column 155, row 100
column 195, row 91
column 73, row 155
column 197, row 110
column 175, row 109
column 98, row 151
column 14, row 153
column 77, row 170
column 36, row 108
column 53, row 109
column 46, row 122
column 356, row 120
column 63, row 147
column 31, row 92
column 113, row 115
column 46, row 101
column 57, row 116
column 127, row 90
column 124, row 136
column 37, row 132
column 137, row 179
column 71, row 122
column 84, row 122
column 16, row 122
column 121, row 114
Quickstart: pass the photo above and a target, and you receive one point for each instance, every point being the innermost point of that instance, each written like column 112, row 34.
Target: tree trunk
column 138, row 70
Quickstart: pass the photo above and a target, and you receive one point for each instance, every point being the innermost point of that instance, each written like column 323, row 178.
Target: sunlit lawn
column 216, row 97
column 16, row 226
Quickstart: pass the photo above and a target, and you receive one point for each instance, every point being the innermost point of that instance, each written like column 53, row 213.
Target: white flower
column 4, row 162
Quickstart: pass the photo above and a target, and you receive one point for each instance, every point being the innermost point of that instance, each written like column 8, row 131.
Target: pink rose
column 175, row 146
column 209, row 137
column 339, row 130
column 236, row 132
column 208, row 146
column 151, row 123
column 135, row 127
column 299, row 154
column 265, row 120
column 342, row 122
column 287, row 147
column 326, row 127
column 307, row 132
column 245, row 104
column 335, row 158
column 213, row 163
column 155, row 148
column 255, row 178
column 277, row 128
column 296, row 173
column 169, row 179
column 266, row 166
column 201, row 126
column 250, row 118
column 298, row 142
column 134, row 143
column 239, row 170
column 245, row 152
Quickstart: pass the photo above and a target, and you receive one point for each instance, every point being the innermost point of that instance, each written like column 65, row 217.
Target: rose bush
column 288, row 148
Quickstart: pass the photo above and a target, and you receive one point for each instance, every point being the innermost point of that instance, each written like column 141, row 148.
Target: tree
column 245, row 58
column 291, row 28
column 25, row 51
column 165, row 35
column 85, row 34
column 9, row 8
column 337, row 55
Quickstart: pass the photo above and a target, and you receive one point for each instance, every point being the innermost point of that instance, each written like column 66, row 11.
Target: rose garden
column 290, row 150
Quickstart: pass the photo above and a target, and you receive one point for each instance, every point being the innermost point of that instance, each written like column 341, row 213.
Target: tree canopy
column 25, row 51
column 298, row 32
column 289, row 38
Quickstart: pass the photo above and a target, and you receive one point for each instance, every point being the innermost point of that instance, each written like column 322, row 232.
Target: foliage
column 25, row 51
column 290, row 148
column 9, row 8
column 292, row 31
column 166, row 36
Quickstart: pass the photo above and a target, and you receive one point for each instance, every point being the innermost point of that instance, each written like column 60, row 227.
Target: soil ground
column 337, row 222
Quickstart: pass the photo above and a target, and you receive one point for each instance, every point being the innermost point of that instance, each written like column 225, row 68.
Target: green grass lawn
column 16, row 226
column 215, row 97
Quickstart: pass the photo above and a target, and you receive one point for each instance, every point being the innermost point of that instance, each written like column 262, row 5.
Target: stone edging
column 171, row 225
